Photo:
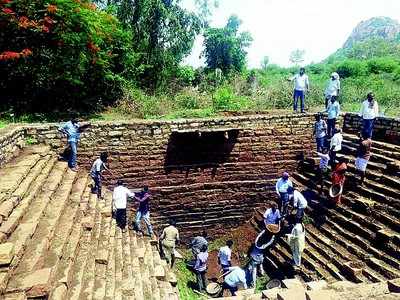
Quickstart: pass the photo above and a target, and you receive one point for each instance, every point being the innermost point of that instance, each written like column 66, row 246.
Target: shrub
column 352, row 68
column 225, row 99
column 61, row 56
column 383, row 64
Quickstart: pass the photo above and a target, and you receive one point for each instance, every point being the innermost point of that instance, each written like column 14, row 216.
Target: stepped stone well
column 207, row 173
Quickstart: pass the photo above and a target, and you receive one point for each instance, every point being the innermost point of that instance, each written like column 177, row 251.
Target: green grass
column 3, row 123
column 185, row 277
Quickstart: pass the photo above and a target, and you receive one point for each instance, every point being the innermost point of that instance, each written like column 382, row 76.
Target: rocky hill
column 378, row 27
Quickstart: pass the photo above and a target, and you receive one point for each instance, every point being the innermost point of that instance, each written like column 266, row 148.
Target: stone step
column 15, row 172
column 353, row 199
column 340, row 253
column 40, row 172
column 362, row 243
column 376, row 145
column 85, row 251
column 368, row 220
column 33, row 256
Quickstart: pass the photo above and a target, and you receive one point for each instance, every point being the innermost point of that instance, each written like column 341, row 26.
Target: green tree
column 225, row 48
column 297, row 57
column 264, row 63
column 163, row 34
column 60, row 56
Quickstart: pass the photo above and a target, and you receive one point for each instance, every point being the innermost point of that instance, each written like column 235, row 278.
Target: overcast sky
column 279, row 26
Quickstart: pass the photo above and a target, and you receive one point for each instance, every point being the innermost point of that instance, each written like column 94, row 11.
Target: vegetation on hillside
column 123, row 59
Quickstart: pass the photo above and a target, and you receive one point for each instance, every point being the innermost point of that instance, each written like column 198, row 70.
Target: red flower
column 52, row 8
column 92, row 47
column 48, row 21
column 26, row 52
column 9, row 55
column 45, row 29
column 24, row 22
column 8, row 11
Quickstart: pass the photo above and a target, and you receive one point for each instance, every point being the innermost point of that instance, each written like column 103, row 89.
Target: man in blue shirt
column 236, row 277
column 281, row 187
column 71, row 130
column 143, row 211
column 333, row 111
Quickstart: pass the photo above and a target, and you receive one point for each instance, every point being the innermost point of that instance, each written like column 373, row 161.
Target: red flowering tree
column 60, row 56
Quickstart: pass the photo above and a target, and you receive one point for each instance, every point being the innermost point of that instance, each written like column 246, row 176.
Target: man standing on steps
column 281, row 187
column 369, row 111
column 332, row 89
column 320, row 132
column 143, row 211
column 98, row 167
column 336, row 146
column 71, row 130
column 169, row 238
column 299, row 203
column 119, row 201
column 200, row 268
column 301, row 86
column 333, row 111
column 363, row 156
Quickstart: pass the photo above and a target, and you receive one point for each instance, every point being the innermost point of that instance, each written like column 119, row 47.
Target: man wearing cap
column 119, row 201
column 281, row 187
column 332, row 89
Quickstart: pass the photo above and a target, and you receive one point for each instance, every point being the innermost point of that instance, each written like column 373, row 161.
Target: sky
column 319, row 27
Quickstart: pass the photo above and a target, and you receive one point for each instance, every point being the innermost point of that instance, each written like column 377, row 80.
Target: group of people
column 329, row 138
column 283, row 217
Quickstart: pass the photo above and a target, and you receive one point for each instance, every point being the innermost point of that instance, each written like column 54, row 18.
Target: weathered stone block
column 6, row 253
column 316, row 285
column 35, row 284
column 394, row 285
column 292, row 283
column 292, row 294
column 321, row 295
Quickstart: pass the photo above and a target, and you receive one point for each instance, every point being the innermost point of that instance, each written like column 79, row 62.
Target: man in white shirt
column 272, row 215
column 332, row 89
column 224, row 256
column 119, row 201
column 336, row 146
column 301, row 86
column 95, row 172
column 281, row 187
column 299, row 203
column 369, row 111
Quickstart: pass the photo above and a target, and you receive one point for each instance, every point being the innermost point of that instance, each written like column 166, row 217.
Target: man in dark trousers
column 99, row 165
column 119, row 201
column 143, row 211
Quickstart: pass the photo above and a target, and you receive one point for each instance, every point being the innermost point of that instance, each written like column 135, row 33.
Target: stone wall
column 12, row 139
column 206, row 181
column 385, row 129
